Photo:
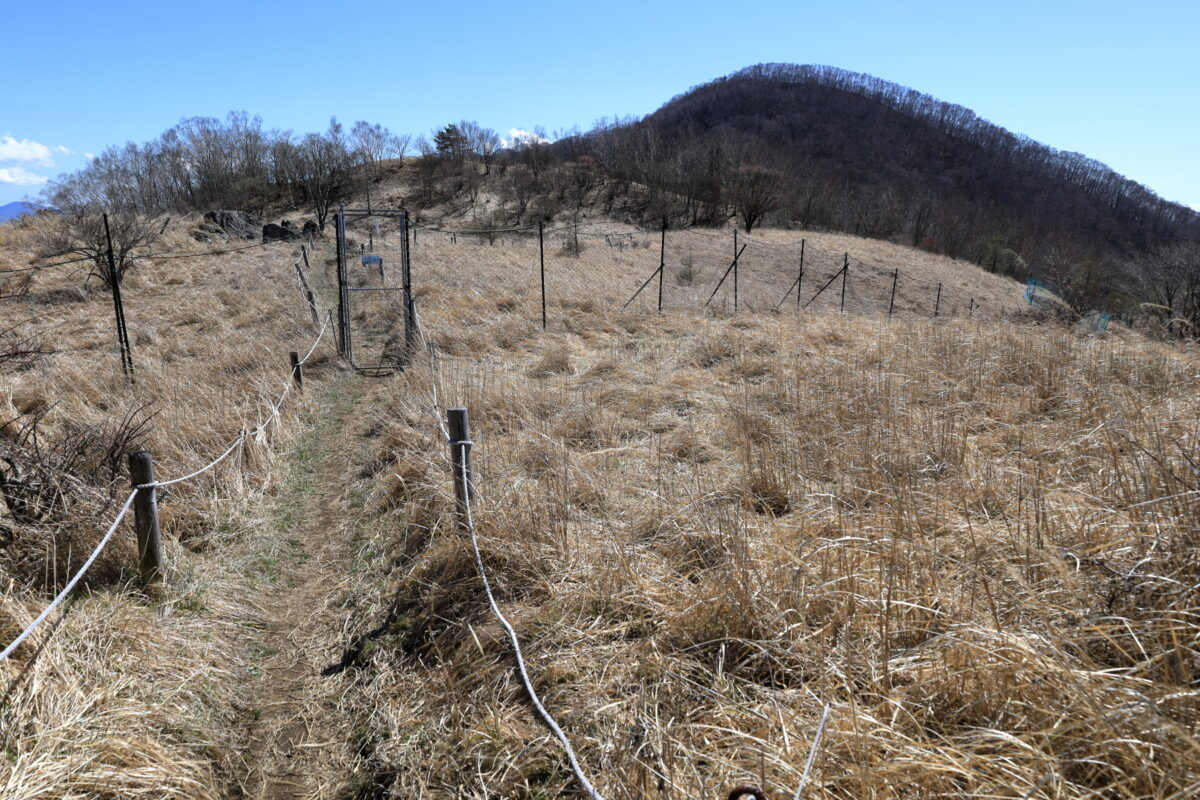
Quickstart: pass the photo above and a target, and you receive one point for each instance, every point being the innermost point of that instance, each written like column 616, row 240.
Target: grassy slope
column 136, row 696
column 973, row 539
column 975, row 542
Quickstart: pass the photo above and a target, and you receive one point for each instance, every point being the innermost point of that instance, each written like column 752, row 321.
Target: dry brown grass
column 129, row 695
column 975, row 542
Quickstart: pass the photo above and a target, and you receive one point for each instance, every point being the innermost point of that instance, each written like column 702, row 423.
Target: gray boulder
column 276, row 233
column 235, row 224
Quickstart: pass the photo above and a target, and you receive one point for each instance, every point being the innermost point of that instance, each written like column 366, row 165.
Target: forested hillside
column 822, row 147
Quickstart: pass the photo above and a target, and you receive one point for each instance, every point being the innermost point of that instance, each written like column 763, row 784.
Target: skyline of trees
column 811, row 147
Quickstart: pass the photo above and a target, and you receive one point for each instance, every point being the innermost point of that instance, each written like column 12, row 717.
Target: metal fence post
column 542, row 261
column 892, row 302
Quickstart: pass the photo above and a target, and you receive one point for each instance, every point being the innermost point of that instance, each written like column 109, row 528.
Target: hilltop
column 850, row 152
column 16, row 209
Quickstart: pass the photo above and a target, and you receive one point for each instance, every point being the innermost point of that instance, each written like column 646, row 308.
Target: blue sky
column 1118, row 81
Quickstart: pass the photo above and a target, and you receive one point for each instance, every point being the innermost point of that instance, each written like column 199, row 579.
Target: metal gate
column 374, row 311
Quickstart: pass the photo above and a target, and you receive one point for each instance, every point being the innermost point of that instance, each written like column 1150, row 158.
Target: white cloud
column 21, row 177
column 519, row 138
column 27, row 150
column 90, row 156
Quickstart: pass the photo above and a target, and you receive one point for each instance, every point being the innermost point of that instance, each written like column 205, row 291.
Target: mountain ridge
column 860, row 154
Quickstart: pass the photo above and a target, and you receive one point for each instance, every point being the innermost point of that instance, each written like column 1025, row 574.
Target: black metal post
column 845, row 272
column 732, row 268
column 800, row 277
column 118, row 307
column 892, row 302
column 410, row 310
column 343, row 294
column 735, row 271
column 662, row 263
column 542, row 261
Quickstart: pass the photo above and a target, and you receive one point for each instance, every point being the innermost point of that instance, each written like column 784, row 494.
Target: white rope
column 156, row 485
column 516, row 645
column 71, row 585
column 242, row 436
column 812, row 752
column 317, row 342
column 159, row 484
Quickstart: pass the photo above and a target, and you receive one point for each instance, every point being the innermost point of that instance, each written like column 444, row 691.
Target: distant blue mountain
column 14, row 210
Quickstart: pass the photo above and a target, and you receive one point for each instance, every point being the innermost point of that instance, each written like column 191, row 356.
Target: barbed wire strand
column 37, row 267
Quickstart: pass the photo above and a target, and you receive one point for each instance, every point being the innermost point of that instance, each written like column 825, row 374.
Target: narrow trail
column 295, row 731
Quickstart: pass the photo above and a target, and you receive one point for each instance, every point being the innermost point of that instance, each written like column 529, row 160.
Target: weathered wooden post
column 145, row 517
column 312, row 306
column 459, row 428
column 297, row 370
column 937, row 303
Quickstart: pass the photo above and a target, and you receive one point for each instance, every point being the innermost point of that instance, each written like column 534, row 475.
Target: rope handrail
column 515, row 642
column 152, row 486
column 244, row 433
column 74, row 580
column 160, row 484
column 558, row 732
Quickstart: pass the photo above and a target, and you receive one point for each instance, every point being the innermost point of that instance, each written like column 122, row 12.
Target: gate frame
column 345, row 340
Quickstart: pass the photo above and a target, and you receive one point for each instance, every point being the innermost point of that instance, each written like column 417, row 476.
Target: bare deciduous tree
column 80, row 231
column 755, row 192
column 324, row 166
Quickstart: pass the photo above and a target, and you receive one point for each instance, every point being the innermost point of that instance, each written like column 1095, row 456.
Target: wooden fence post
column 145, row 517
column 460, row 458
column 297, row 370
column 937, row 304
column 312, row 306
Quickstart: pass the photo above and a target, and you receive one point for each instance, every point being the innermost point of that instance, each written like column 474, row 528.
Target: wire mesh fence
column 591, row 267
